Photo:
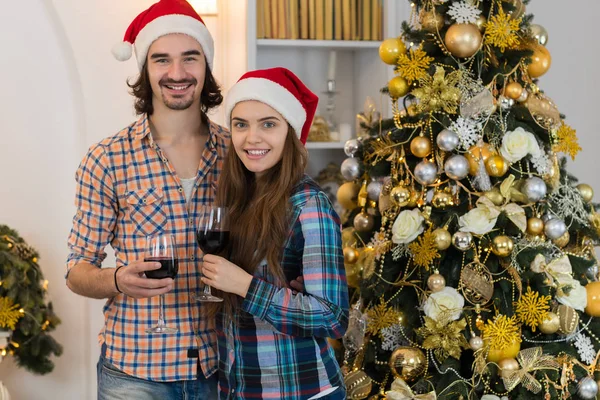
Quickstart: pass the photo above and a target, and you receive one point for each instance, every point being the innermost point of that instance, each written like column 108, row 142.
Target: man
column 151, row 178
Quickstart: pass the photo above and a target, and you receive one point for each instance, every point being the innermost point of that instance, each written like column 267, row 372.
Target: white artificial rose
column 577, row 297
column 517, row 144
column 447, row 303
column 481, row 219
column 407, row 226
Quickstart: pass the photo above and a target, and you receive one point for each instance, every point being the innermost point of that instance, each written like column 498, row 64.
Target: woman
column 272, row 340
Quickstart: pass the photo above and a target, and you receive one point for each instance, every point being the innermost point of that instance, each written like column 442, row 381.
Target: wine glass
column 212, row 236
column 161, row 248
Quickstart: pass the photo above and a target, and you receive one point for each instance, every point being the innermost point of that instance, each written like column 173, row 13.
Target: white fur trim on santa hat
column 174, row 23
column 270, row 93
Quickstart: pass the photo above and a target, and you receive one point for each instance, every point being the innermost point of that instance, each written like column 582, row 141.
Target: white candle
column 331, row 74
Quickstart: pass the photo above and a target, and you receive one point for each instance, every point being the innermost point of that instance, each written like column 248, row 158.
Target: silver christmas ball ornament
column 426, row 172
column 505, row 102
column 555, row 228
column 351, row 147
column 534, row 188
column 548, row 217
column 592, row 273
column 539, row 33
column 374, row 190
column 462, row 240
column 447, row 140
column 456, row 167
column 351, row 169
column 587, row 388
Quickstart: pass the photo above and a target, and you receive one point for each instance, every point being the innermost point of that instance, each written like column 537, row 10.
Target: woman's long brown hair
column 261, row 211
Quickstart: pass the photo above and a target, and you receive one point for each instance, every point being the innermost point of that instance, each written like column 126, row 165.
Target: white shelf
column 324, row 145
column 329, row 44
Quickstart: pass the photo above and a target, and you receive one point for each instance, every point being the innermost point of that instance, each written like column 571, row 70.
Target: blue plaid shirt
column 276, row 347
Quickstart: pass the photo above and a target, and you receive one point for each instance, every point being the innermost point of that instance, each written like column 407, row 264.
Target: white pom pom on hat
column 122, row 51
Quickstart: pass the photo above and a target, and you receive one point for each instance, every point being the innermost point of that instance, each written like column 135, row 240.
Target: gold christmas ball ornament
column 563, row 240
column 463, row 40
column 414, row 198
column 535, row 226
column 408, row 363
column 540, row 62
column 442, row 200
column 420, row 146
column 443, row 239
column 350, row 255
column 398, row 87
column 363, row 222
column 390, row 49
column 431, row 21
column 349, row 238
column 593, row 299
column 400, row 195
column 502, row 246
column 550, row 325
column 476, row 152
column 353, row 275
column 511, row 351
column 567, row 319
column 436, row 282
column 496, row 166
column 586, row 192
column 481, row 21
column 347, row 195
column 513, row 90
column 358, row 385
column 495, row 196
column 507, row 365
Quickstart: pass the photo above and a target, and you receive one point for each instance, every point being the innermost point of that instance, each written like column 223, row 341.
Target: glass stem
column 161, row 317
column 207, row 290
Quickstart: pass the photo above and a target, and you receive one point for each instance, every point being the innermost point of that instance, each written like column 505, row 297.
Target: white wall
column 63, row 91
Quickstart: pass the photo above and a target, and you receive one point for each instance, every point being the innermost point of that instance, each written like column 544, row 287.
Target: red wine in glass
column 212, row 236
column 161, row 248
column 168, row 267
column 212, row 242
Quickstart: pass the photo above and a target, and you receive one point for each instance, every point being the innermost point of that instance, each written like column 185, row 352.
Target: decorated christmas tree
column 26, row 317
column 469, row 248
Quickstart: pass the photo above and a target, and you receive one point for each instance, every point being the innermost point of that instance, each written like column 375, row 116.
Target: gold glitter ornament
column 358, row 385
column 413, row 66
column 476, row 283
column 9, row 314
column 439, row 92
column 502, row 246
column 502, row 333
column 381, row 316
column 431, row 21
column 443, row 239
column 398, row 87
column 563, row 240
column 407, row 363
column 446, row 339
column 502, row 31
column 424, row 249
column 532, row 309
column 568, row 319
column 566, row 141
column 463, row 40
column 550, row 324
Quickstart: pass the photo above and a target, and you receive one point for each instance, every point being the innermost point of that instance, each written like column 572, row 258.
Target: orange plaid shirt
column 126, row 190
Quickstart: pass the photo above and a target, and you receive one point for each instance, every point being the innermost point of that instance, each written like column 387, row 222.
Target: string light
column 14, row 344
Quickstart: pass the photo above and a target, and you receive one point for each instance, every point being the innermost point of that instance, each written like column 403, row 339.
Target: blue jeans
column 114, row 384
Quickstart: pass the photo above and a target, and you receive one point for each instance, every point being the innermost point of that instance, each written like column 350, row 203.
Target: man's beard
column 178, row 103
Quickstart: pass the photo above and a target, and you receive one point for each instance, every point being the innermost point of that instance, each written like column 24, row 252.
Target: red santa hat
column 280, row 89
column 163, row 18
